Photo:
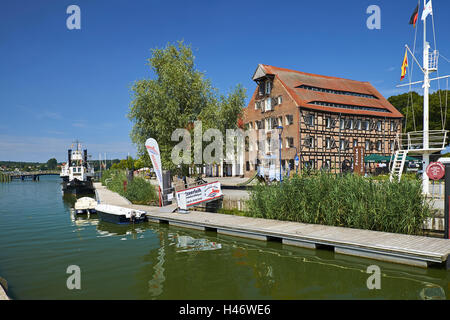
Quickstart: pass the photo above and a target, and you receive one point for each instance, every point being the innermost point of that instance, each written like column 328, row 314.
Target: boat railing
column 413, row 141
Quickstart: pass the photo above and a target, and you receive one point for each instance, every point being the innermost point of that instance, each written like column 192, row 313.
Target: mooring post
column 447, row 201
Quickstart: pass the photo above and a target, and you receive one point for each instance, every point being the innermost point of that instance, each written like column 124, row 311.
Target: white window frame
column 268, row 87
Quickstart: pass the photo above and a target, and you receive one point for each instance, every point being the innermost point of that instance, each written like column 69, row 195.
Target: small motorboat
column 85, row 205
column 120, row 215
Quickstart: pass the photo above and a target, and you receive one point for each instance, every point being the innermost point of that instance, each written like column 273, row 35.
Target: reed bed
column 138, row 191
column 344, row 201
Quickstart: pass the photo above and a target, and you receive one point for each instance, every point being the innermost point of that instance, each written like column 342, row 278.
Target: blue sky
column 58, row 85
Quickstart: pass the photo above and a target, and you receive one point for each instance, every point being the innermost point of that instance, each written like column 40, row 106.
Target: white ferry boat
column 76, row 173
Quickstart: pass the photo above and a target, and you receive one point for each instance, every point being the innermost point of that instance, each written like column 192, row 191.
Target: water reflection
column 196, row 265
column 166, row 262
column 106, row 229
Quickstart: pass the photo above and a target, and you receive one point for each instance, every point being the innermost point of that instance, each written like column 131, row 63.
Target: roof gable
column 331, row 94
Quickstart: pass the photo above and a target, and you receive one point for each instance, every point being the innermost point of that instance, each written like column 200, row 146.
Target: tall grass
column 345, row 201
column 138, row 191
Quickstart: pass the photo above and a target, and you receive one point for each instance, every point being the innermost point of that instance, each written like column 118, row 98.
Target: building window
column 347, row 93
column 394, row 126
column 247, row 166
column 379, row 145
column 358, row 124
column 268, row 102
column 328, row 143
column 274, row 123
column 326, row 164
column 349, row 124
column 309, row 165
column 367, row 145
column 268, row 86
column 291, row 164
column 257, row 105
column 259, row 124
column 342, row 144
column 391, row 145
column 280, row 99
column 289, row 119
column 347, row 106
column 355, row 143
column 289, row 142
column 309, row 120
column 261, row 88
column 309, row 142
column 268, row 146
column 365, row 125
column 378, row 125
column 342, row 124
column 250, row 125
column 328, row 123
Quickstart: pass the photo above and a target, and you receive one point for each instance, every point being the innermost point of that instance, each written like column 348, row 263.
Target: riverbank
column 397, row 248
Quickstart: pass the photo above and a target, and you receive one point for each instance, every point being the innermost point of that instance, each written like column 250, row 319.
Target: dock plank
column 399, row 248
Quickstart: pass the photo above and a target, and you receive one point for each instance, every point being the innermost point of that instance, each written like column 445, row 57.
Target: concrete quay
column 397, row 248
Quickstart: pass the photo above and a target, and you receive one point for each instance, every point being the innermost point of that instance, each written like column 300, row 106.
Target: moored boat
column 85, row 205
column 77, row 174
column 120, row 215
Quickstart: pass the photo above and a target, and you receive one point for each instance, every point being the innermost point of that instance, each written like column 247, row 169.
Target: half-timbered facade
column 323, row 120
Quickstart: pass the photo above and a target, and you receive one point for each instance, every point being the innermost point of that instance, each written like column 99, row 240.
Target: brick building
column 323, row 119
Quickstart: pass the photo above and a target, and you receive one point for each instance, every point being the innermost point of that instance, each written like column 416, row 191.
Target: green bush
column 138, row 191
column 345, row 201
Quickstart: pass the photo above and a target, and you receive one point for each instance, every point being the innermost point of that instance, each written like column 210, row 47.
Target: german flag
column 414, row 16
column 404, row 65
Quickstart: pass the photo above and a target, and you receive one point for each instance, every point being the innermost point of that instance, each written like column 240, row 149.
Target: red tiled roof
column 292, row 79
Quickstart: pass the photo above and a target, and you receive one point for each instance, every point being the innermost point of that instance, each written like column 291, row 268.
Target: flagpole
column 426, row 86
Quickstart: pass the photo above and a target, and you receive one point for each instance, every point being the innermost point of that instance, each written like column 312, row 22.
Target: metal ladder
column 398, row 164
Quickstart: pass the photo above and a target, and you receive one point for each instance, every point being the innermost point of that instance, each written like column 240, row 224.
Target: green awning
column 377, row 158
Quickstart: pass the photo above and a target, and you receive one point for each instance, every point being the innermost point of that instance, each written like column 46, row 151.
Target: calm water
column 39, row 239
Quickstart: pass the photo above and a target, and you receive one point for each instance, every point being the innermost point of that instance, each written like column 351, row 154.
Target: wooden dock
column 397, row 248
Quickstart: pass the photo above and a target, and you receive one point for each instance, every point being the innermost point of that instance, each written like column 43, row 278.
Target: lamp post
column 280, row 128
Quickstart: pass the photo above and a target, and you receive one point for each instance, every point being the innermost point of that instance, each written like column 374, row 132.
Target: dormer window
column 261, row 88
column 268, row 86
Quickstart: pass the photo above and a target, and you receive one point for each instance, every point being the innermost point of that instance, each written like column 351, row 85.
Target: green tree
column 52, row 164
column 411, row 106
column 178, row 96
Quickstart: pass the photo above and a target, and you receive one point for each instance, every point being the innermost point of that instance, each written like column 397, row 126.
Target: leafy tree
column 139, row 163
column 178, row 96
column 411, row 106
column 52, row 164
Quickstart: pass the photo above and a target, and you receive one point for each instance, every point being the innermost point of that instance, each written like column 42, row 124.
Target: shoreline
column 411, row 250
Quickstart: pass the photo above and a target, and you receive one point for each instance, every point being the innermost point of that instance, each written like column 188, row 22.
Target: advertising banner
column 153, row 152
column 200, row 194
